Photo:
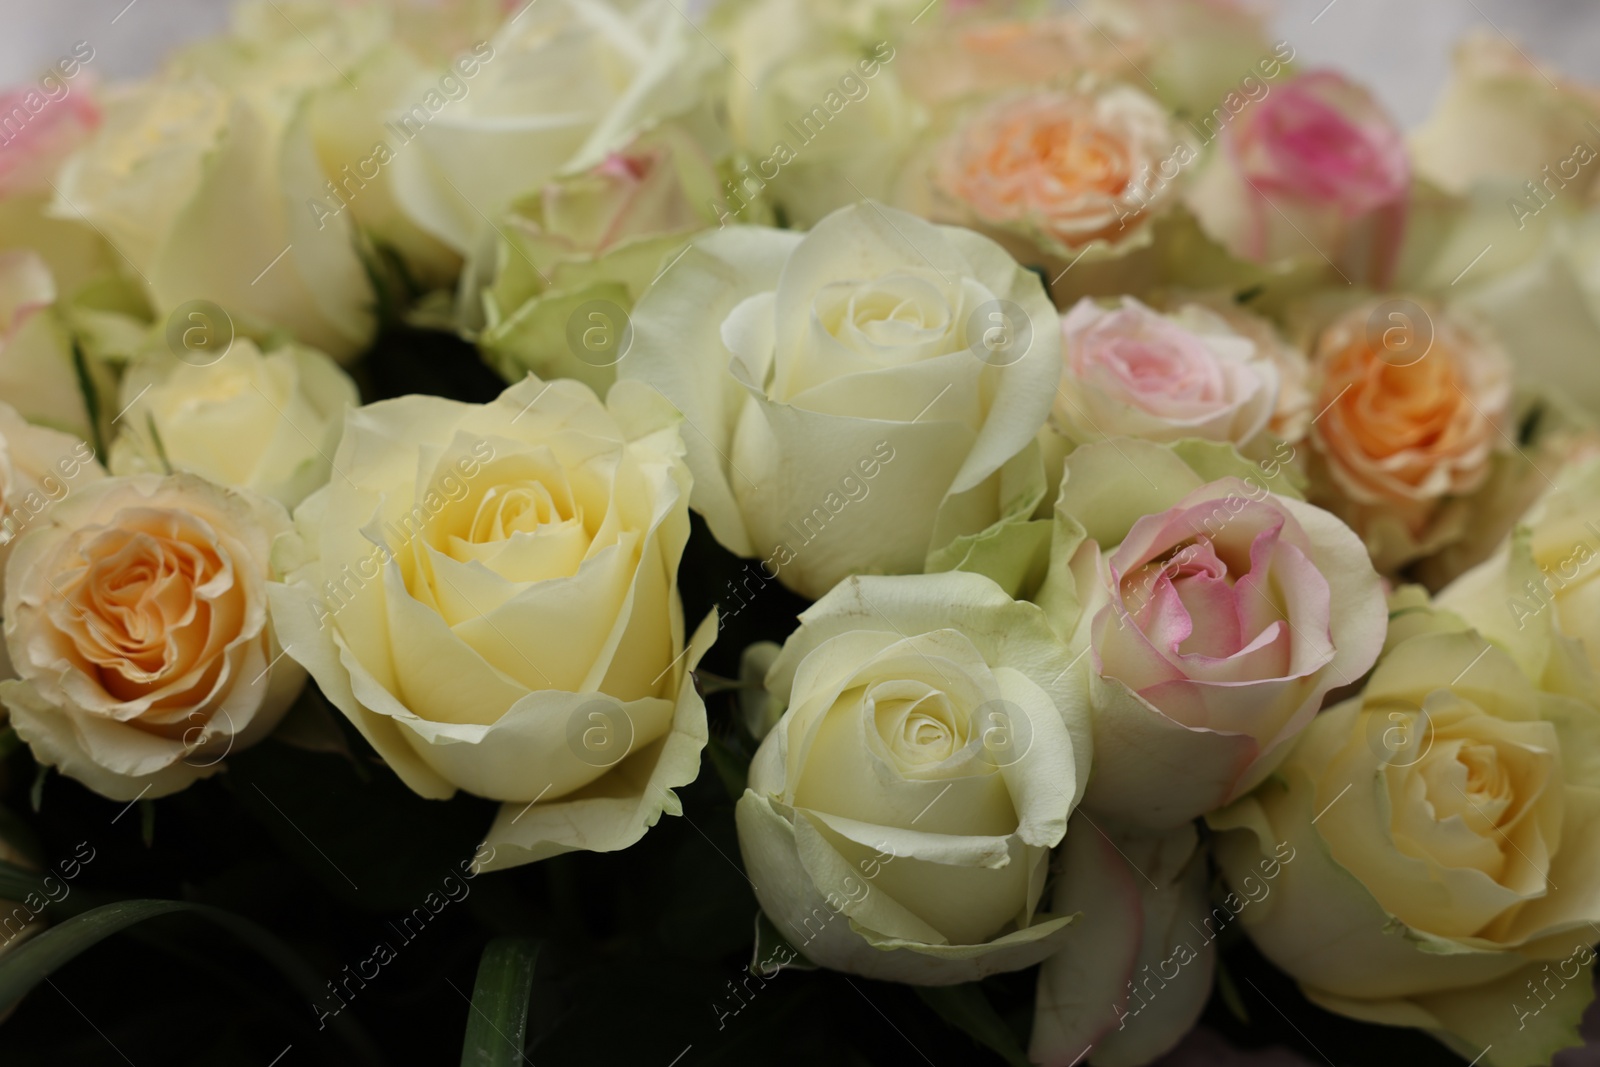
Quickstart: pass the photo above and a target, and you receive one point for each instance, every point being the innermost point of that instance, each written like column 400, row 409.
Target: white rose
column 1443, row 828
column 200, row 179
column 561, row 84
column 858, row 397
column 899, row 817
column 267, row 423
column 136, row 620
column 489, row 593
column 1504, row 120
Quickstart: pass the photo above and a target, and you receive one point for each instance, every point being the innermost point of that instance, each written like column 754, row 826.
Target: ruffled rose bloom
column 1412, row 403
column 1134, row 372
column 489, row 593
column 1444, row 826
column 136, row 620
column 1314, row 169
column 899, row 817
column 266, row 423
column 1064, row 169
column 859, row 398
column 1217, row 616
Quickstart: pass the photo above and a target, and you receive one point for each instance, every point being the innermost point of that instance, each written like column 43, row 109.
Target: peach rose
column 1065, row 169
column 1134, row 372
column 951, row 63
column 1314, row 169
column 136, row 620
column 1412, row 403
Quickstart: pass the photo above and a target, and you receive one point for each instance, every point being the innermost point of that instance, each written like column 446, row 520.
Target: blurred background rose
column 1401, row 50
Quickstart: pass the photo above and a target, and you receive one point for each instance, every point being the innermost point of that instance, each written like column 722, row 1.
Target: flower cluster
column 1195, row 535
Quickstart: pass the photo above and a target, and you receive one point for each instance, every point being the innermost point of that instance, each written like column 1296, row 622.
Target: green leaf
column 731, row 767
column 9, row 742
column 966, row 1008
column 16, row 883
column 147, row 822
column 497, row 1028
column 35, row 959
column 1229, row 991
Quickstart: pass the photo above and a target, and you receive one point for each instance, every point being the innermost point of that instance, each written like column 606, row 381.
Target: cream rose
column 1503, row 121
column 566, row 84
column 267, row 423
column 900, row 816
column 136, row 620
column 1444, row 824
column 856, row 398
column 1200, row 55
column 1134, row 372
column 1414, row 402
column 489, row 593
column 1537, row 595
column 1215, row 615
column 1064, row 170
column 815, row 102
column 201, row 178
column 1313, row 169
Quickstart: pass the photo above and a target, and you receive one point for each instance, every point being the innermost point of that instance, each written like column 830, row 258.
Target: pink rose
column 37, row 133
column 1217, row 615
column 1315, row 169
column 1134, row 372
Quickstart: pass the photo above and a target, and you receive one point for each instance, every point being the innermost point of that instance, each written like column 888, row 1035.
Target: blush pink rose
column 1134, row 372
column 32, row 150
column 1316, row 170
column 1217, row 616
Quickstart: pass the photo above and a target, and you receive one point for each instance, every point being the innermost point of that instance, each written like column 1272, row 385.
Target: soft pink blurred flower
column 1134, row 372
column 1315, row 168
column 34, row 139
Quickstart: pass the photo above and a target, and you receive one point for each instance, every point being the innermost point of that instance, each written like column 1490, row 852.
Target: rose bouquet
column 593, row 532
